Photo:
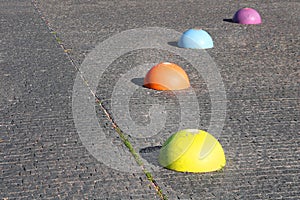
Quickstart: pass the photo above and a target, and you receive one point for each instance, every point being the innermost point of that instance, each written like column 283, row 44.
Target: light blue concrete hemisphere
column 195, row 39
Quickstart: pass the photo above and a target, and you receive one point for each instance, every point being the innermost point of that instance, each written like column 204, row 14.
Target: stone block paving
column 42, row 156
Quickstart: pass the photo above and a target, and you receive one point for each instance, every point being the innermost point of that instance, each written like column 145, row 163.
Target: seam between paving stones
column 123, row 136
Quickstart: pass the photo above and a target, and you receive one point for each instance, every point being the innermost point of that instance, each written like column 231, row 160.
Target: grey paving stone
column 259, row 66
column 41, row 155
column 259, row 69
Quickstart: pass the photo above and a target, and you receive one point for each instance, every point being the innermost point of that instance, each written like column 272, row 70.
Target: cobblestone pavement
column 41, row 153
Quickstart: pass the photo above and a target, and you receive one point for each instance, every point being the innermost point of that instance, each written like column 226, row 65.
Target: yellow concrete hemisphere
column 192, row 150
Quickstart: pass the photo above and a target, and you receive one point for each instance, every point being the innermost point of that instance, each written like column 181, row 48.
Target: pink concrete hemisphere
column 247, row 16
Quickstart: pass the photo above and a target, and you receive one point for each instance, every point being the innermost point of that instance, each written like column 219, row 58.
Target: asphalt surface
column 44, row 43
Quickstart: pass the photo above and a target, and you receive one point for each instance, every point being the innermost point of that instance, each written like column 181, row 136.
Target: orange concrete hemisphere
column 166, row 76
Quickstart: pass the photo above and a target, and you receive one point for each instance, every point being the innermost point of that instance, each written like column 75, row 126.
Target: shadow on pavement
column 151, row 154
